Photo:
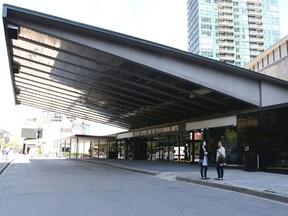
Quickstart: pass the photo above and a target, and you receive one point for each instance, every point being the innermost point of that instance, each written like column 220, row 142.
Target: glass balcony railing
column 226, row 50
column 255, row 26
column 226, row 44
column 254, row 1
column 257, row 40
column 252, row 12
column 259, row 33
column 225, row 29
column 227, row 3
column 226, row 23
column 255, row 19
column 227, row 57
column 257, row 7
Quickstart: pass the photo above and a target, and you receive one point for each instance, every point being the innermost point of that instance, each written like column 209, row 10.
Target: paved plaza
column 110, row 187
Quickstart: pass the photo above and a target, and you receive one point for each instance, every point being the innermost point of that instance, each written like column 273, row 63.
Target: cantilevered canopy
column 111, row 78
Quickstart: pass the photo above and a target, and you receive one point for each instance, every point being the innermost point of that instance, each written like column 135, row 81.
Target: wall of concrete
column 279, row 69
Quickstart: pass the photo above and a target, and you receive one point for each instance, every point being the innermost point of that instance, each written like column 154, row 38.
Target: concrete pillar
column 140, row 149
column 77, row 145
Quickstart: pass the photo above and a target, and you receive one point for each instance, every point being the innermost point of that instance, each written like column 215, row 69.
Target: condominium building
column 232, row 31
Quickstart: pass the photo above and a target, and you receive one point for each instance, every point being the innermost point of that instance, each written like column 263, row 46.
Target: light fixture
column 15, row 67
column 191, row 96
column 17, row 90
column 13, row 31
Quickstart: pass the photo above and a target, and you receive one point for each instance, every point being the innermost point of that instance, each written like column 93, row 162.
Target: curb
column 5, row 166
column 256, row 193
column 137, row 170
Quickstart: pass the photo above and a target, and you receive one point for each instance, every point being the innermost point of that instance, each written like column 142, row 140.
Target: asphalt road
column 69, row 187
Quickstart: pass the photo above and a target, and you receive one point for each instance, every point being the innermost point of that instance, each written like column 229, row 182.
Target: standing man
column 220, row 161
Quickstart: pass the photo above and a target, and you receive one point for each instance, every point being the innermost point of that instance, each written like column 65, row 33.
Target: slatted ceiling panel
column 50, row 99
column 71, row 69
column 58, row 109
column 68, row 109
column 84, row 63
column 65, row 76
column 62, row 60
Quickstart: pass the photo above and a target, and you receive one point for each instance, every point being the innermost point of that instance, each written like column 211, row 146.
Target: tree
column 16, row 144
column 231, row 137
column 231, row 145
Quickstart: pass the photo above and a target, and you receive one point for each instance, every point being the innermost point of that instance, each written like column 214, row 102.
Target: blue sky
column 161, row 21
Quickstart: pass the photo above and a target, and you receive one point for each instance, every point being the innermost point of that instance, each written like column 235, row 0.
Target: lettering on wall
column 155, row 131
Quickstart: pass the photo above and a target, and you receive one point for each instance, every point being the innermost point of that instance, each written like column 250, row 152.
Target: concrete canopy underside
column 107, row 77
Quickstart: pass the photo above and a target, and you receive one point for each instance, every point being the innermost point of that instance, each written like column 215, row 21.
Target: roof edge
column 4, row 18
column 146, row 44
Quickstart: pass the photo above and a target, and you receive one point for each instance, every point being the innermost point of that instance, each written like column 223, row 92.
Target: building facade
column 232, row 31
column 49, row 126
column 168, row 100
column 4, row 137
column 272, row 62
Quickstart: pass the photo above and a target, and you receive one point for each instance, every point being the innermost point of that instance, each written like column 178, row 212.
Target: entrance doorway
column 161, row 148
column 195, row 144
column 195, row 151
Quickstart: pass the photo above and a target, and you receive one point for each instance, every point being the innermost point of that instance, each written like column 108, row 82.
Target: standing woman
column 220, row 161
column 203, row 160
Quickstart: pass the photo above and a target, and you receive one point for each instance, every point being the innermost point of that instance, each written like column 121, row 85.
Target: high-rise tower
column 232, row 31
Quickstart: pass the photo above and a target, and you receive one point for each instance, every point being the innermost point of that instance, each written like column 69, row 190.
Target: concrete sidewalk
column 265, row 185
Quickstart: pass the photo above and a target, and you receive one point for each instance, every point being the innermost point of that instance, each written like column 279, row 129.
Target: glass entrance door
column 161, row 148
column 196, row 140
column 195, row 152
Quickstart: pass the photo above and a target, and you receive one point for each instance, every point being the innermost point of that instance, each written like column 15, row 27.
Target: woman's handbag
column 221, row 159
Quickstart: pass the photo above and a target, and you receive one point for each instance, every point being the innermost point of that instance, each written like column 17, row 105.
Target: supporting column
column 140, row 149
column 90, row 150
column 83, row 149
column 70, row 148
column 116, row 147
column 126, row 149
column 65, row 148
column 193, row 147
column 151, row 148
column 179, row 144
column 98, row 153
column 168, row 140
column 77, row 145
column 159, row 142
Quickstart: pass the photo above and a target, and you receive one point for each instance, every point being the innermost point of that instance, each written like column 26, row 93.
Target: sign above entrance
column 155, row 131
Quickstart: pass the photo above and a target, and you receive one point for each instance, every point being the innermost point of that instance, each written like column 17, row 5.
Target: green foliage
column 66, row 154
column 242, row 138
column 231, row 138
column 197, row 147
column 39, row 150
column 15, row 144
